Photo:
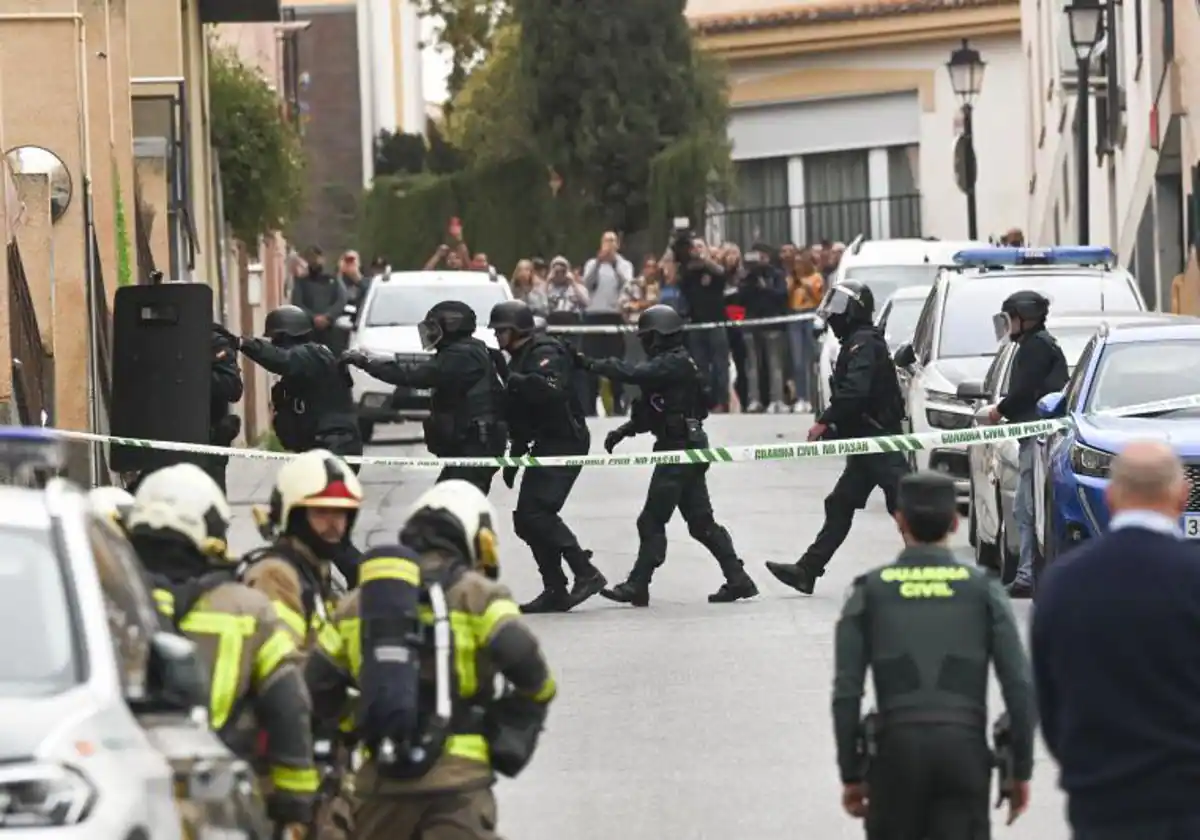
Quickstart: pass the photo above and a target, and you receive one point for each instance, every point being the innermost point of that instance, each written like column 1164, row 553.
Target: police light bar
column 1002, row 257
column 30, row 447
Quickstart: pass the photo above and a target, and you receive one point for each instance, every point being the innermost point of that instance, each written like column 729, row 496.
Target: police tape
column 612, row 329
column 903, row 443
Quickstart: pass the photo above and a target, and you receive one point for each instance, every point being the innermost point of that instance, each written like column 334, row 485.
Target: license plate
column 420, row 392
column 1191, row 526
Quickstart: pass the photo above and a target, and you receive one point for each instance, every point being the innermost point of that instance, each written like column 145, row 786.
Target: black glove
column 613, row 438
column 251, row 343
column 509, row 474
column 581, row 361
column 358, row 358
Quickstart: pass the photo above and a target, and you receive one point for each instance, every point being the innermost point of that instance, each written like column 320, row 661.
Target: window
column 1075, row 383
column 762, row 212
column 923, row 334
column 884, row 280
column 902, row 321
column 1131, row 374
column 1066, row 188
column 837, row 200
column 132, row 619
column 904, row 190
column 405, row 304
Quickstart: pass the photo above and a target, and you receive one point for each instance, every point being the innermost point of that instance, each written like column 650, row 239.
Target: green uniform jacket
column 489, row 639
column 928, row 627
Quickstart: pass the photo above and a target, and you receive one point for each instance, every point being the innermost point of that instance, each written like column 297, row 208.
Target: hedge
column 507, row 211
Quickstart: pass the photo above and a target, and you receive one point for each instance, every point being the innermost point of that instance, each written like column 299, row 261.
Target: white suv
column 957, row 335
column 885, row 265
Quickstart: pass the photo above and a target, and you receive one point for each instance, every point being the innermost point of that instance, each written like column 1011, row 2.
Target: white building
column 844, row 119
column 1137, row 185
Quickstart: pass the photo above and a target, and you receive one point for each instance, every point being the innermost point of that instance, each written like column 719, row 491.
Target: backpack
column 310, row 583
column 405, row 739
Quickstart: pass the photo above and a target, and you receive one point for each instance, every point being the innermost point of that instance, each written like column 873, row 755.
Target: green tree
column 259, row 150
column 611, row 83
column 488, row 118
column 464, row 29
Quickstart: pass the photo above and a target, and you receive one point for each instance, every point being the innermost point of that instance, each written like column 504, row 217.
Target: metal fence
column 897, row 216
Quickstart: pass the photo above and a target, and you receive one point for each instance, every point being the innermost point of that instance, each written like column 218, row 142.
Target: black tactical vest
column 560, row 422
column 463, row 413
column 319, row 401
column 929, row 635
column 673, row 412
column 886, row 412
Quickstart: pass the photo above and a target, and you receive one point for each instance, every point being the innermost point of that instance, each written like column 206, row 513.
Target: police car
column 886, row 266
column 387, row 326
column 90, row 686
column 956, row 334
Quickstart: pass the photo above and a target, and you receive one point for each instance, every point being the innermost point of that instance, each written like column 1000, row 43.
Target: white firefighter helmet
column 112, row 503
column 183, row 500
column 316, row 479
column 464, row 503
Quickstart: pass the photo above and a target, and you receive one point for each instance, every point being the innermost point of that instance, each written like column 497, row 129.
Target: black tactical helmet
column 850, row 298
column 512, row 315
column 1027, row 305
column 288, row 322
column 661, row 320
column 448, row 319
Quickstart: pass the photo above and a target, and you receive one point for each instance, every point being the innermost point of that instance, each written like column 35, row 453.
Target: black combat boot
column 550, row 601
column 628, row 593
column 796, row 575
column 734, row 589
column 588, row 579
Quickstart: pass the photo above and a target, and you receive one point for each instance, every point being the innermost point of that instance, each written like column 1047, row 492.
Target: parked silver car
column 993, row 467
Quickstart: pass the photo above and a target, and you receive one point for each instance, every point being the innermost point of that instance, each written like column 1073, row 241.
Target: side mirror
column 971, row 391
column 176, row 681
column 1052, row 405
column 904, row 356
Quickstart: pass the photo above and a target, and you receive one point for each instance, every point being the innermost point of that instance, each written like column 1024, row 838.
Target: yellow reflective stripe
column 165, row 602
column 328, row 639
column 547, row 692
column 295, row 781
column 465, row 648
column 350, row 656
column 389, row 568
column 497, row 611
column 231, row 632
column 291, row 618
column 471, row 747
column 278, row 648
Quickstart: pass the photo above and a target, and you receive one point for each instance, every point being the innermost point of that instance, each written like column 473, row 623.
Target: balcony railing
column 895, row 217
column 32, row 366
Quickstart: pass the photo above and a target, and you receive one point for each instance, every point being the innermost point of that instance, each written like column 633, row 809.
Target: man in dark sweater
column 1116, row 666
column 703, row 283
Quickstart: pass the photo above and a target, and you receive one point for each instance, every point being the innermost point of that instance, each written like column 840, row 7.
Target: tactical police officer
column 314, row 503
column 467, row 410
column 672, row 406
column 226, row 389
column 545, row 419
column 312, row 402
column 865, row 401
column 928, row 627
column 423, row 638
column 178, row 526
column 1038, row 368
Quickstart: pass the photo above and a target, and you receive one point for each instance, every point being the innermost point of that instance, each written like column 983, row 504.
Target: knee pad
column 647, row 525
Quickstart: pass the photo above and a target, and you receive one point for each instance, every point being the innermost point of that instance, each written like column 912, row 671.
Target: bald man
column 1116, row 659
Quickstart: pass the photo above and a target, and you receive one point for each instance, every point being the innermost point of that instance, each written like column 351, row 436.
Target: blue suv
column 1125, row 364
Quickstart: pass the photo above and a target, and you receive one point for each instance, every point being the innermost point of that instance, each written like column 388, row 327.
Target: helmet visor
column 430, row 333
column 1002, row 324
column 836, row 302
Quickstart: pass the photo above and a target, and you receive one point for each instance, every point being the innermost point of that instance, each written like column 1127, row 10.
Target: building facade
column 844, row 121
column 357, row 72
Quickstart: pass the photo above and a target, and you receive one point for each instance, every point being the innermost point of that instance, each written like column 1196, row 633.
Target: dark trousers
column 215, row 466
column 710, row 349
column 930, row 782
column 537, row 520
column 1176, row 828
column 481, row 477
column 861, row 475
column 601, row 346
column 683, row 487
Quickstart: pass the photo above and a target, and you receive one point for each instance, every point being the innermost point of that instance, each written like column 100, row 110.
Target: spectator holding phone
column 453, row 254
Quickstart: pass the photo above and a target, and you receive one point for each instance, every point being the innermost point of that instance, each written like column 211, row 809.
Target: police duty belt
column 711, row 455
column 612, row 329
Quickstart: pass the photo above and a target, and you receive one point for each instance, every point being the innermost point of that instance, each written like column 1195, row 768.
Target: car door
column 922, row 344
column 983, row 460
column 132, row 622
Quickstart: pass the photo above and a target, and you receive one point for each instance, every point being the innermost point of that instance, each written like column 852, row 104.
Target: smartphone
column 455, row 227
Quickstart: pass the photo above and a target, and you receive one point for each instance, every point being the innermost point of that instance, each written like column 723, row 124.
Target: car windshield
column 884, row 280
column 902, row 321
column 31, row 579
column 406, row 304
column 1131, row 374
column 972, row 303
column 1072, row 340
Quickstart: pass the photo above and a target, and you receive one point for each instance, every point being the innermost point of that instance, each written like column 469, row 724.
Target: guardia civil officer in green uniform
column 928, row 627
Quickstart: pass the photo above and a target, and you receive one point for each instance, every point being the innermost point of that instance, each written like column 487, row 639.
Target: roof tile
column 829, row 11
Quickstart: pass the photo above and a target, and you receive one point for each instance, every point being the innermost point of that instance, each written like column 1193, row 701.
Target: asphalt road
column 684, row 721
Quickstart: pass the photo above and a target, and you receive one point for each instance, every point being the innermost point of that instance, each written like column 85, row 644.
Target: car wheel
column 366, row 428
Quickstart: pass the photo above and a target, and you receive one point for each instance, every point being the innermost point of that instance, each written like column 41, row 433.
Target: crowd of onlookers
column 772, row 364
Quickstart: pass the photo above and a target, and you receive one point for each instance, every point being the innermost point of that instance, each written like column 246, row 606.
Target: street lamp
column 966, row 78
column 1085, row 22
